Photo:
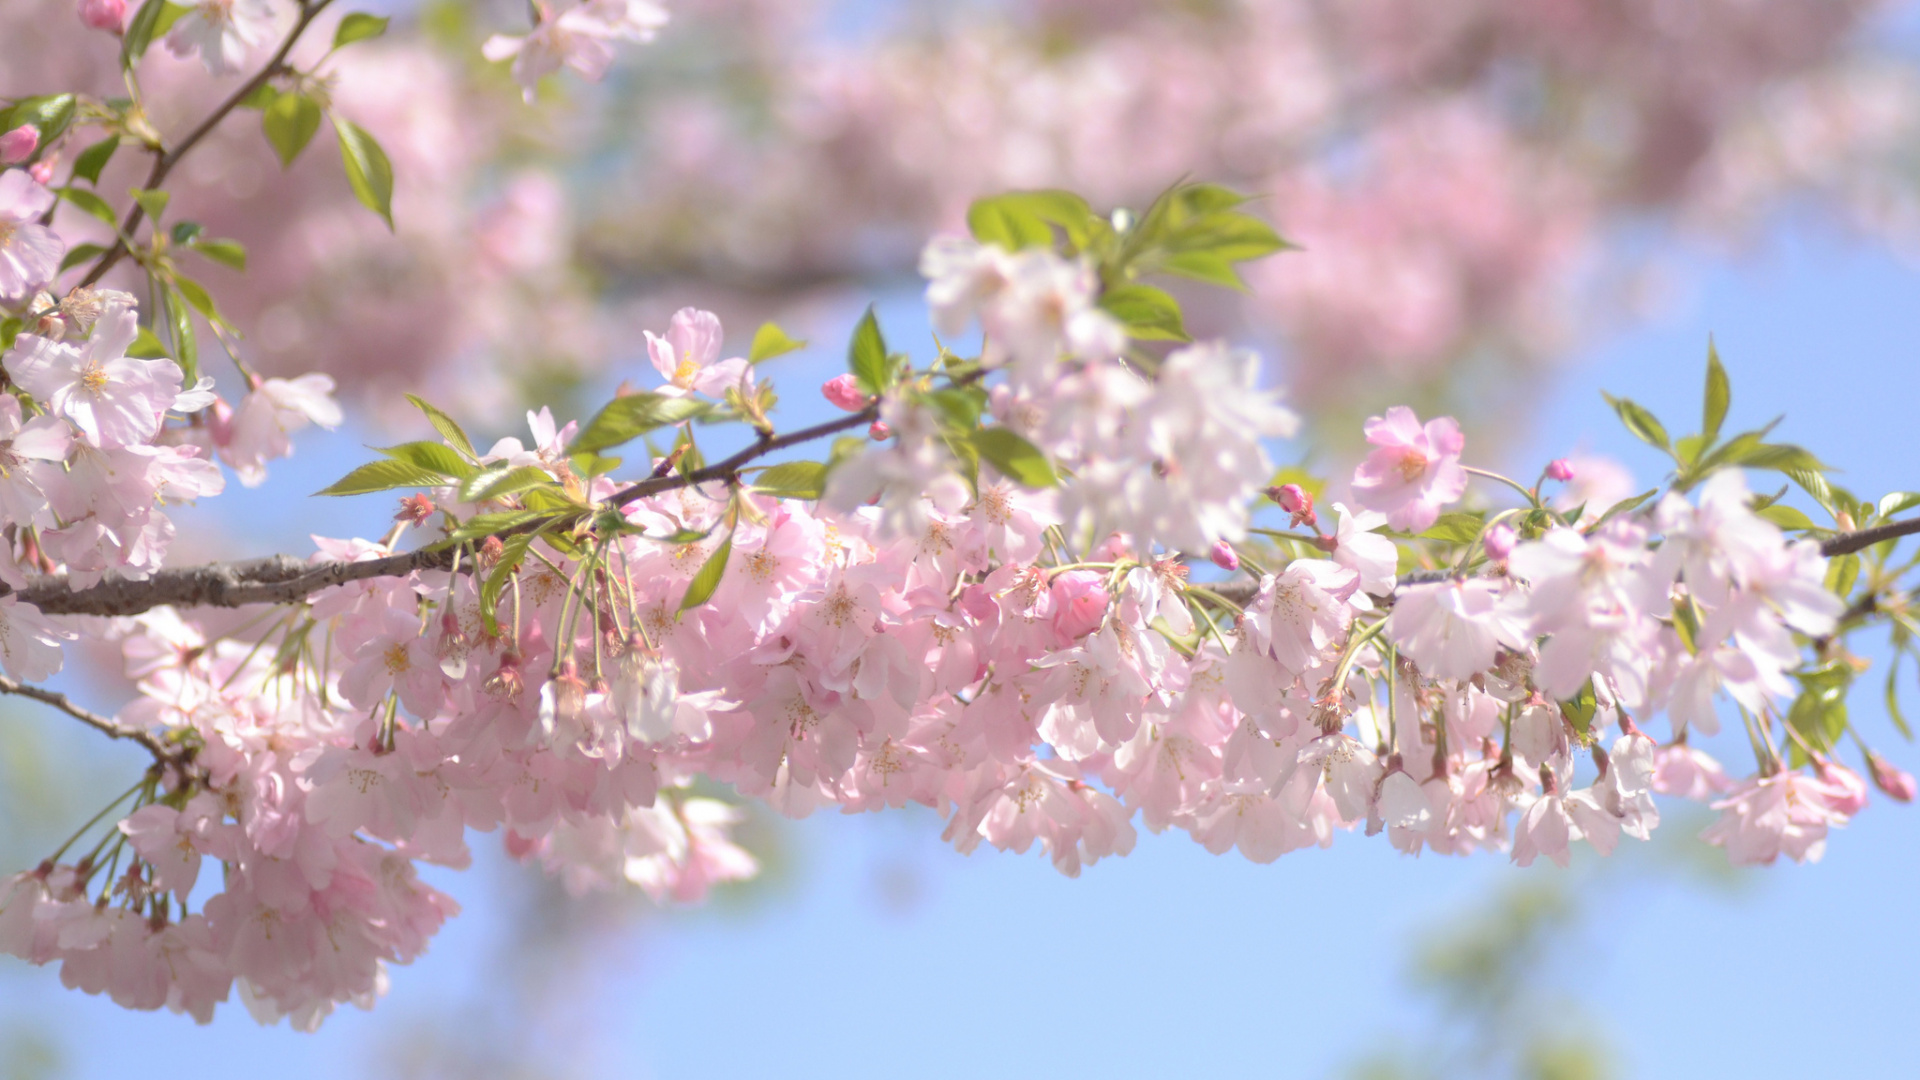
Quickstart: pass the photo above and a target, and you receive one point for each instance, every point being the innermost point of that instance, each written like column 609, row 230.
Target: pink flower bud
column 1294, row 500
column 843, row 391
column 42, row 170
column 1224, row 556
column 1079, row 604
column 19, row 144
column 1499, row 542
column 879, row 432
column 1560, row 469
column 108, row 15
column 1895, row 784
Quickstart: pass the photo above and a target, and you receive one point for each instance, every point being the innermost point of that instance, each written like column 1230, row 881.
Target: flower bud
column 1560, row 469
column 845, row 392
column 108, row 15
column 1895, row 784
column 1079, row 604
column 42, row 170
column 1224, row 556
column 1294, row 500
column 19, row 144
column 1499, row 542
column 415, row 509
column 879, row 432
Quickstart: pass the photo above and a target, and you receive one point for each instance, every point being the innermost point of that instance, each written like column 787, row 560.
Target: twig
column 1847, row 543
column 164, row 163
column 162, row 753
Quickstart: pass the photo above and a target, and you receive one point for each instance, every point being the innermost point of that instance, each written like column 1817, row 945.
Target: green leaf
column 384, row 476
column 481, row 526
column 186, row 232
column 707, row 580
column 434, row 457
column 1787, row 517
column 1893, row 699
column 229, row 253
column 196, row 294
column 1819, row 714
column 446, row 426
column 1624, row 506
column 78, row 254
column 1016, row 458
column 146, row 346
column 153, row 202
column 1640, row 422
column 961, row 405
column 867, row 355
column 262, row 96
column 770, row 341
column 512, row 552
column 91, row 204
column 290, row 122
column 1842, row 573
column 1783, row 457
column 1204, row 266
column 359, row 27
column 48, row 114
column 1719, row 395
column 590, row 465
column 497, row 484
column 94, row 158
column 1898, row 502
column 1149, row 314
column 154, row 18
column 1024, row 219
column 186, row 347
column 793, row 480
column 1578, row 710
column 627, row 418
column 368, row 170
column 1455, row 529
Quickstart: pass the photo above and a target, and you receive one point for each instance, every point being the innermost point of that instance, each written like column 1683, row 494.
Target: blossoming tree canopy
column 1053, row 588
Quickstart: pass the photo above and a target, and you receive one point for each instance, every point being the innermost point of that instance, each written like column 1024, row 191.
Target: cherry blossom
column 29, row 252
column 220, row 32
column 1415, row 470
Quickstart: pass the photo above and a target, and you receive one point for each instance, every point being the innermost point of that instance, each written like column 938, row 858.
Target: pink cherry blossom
column 109, row 15
column 1415, row 470
column 223, row 32
column 19, row 144
column 845, row 392
column 689, row 357
column 576, row 34
column 29, row 252
column 114, row 399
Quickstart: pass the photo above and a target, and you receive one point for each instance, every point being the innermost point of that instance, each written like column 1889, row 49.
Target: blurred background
column 1504, row 208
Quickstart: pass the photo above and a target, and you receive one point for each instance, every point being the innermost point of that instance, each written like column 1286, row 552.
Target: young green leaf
column 1893, row 699
column 154, row 18
column 770, row 341
column 78, row 254
column 867, row 355
column 1719, row 395
column 793, row 480
column 433, row 456
column 228, row 253
column 384, row 476
column 92, row 204
column 1016, row 458
column 359, row 26
column 153, row 202
column 146, row 346
column 446, row 426
column 707, row 580
column 1898, row 502
column 1640, row 422
column 48, row 114
column 186, row 347
column 1024, row 219
column 94, row 158
column 512, row 552
column 481, row 526
column 498, row 483
column 290, row 122
column 1455, row 528
column 627, row 418
column 368, row 170
column 1149, row 314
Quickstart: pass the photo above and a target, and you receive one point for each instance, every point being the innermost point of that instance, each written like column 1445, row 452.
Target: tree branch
column 1849, row 542
column 164, row 754
column 163, row 163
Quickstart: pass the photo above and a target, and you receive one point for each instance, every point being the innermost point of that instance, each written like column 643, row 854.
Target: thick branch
column 276, row 579
column 1859, row 540
column 166, row 755
column 728, row 469
column 163, row 164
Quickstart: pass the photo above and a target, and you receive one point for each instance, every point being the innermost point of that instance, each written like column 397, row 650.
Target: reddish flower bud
column 42, row 170
column 1294, row 500
column 19, row 144
column 491, row 551
column 1224, row 556
column 108, row 15
column 1895, row 784
column 1499, row 542
column 1560, row 469
column 879, row 432
column 845, row 392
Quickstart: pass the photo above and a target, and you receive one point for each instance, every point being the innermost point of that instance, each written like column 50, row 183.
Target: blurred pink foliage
column 1458, row 173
